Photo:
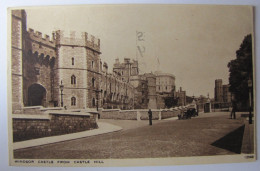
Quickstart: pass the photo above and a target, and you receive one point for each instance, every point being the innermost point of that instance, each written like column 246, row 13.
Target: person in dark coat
column 197, row 108
column 234, row 109
column 150, row 115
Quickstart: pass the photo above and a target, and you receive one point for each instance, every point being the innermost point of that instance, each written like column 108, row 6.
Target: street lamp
column 250, row 102
column 97, row 91
column 61, row 94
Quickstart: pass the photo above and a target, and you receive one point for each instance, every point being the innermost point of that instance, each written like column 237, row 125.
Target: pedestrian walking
column 233, row 111
column 197, row 109
column 150, row 115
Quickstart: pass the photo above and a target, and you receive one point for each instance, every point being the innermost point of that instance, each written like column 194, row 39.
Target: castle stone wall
column 58, row 124
column 71, row 62
column 18, row 28
column 169, row 113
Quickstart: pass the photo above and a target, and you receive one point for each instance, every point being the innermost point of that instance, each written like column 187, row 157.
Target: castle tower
column 134, row 70
column 151, row 82
column 218, row 91
column 38, row 61
column 128, row 69
column 18, row 33
column 77, row 68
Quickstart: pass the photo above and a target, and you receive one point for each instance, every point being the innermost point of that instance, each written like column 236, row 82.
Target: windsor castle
column 66, row 70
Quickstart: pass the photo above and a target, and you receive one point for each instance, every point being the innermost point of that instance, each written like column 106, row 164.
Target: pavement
column 248, row 141
column 110, row 125
column 104, row 126
column 248, row 138
column 103, row 129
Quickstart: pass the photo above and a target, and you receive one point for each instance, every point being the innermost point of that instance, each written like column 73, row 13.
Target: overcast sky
column 194, row 43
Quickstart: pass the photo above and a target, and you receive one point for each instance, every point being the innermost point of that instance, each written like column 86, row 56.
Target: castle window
column 93, row 82
column 92, row 64
column 142, row 100
column 93, row 102
column 73, row 79
column 37, row 70
column 73, row 101
column 166, row 87
column 72, row 61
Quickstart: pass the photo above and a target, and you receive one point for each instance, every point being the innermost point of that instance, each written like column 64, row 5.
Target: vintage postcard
column 131, row 85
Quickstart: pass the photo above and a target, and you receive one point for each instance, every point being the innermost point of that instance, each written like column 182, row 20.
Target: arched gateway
column 36, row 95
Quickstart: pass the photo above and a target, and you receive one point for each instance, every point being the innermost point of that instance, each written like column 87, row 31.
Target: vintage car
column 187, row 112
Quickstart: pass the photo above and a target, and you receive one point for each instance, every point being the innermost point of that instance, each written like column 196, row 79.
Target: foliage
column 171, row 100
column 241, row 69
column 189, row 99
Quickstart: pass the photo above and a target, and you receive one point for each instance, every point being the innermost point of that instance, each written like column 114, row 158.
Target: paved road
column 201, row 136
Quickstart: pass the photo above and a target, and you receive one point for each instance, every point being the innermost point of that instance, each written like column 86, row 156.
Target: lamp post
column 97, row 91
column 61, row 93
column 250, row 102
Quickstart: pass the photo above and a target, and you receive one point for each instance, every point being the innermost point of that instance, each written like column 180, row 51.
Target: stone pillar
column 160, row 115
column 138, row 115
column 18, row 33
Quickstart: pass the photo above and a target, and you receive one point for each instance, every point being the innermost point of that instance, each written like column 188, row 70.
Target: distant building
column 201, row 101
column 144, row 84
column 222, row 96
column 182, row 97
column 165, row 82
column 218, row 91
column 140, row 85
column 126, row 69
column 115, row 93
column 165, row 87
column 226, row 94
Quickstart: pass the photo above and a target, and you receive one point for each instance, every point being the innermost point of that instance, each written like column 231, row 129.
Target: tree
column 241, row 70
column 171, row 100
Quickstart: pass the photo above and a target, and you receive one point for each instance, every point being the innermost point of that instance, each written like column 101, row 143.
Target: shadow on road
column 231, row 141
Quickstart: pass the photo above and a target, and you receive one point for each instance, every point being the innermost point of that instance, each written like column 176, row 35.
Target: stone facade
column 165, row 83
column 63, row 70
column 57, row 124
column 127, row 69
column 223, row 96
column 226, row 94
column 165, row 87
column 18, row 33
column 201, row 101
column 66, row 70
column 138, row 114
column 77, row 65
column 182, row 97
column 144, row 84
column 141, row 91
column 152, row 96
column 218, row 91
column 115, row 92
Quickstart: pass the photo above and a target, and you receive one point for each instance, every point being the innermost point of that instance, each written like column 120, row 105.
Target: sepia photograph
column 131, row 85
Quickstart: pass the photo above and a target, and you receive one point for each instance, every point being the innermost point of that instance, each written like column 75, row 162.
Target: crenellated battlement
column 37, row 36
column 118, row 64
column 74, row 38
